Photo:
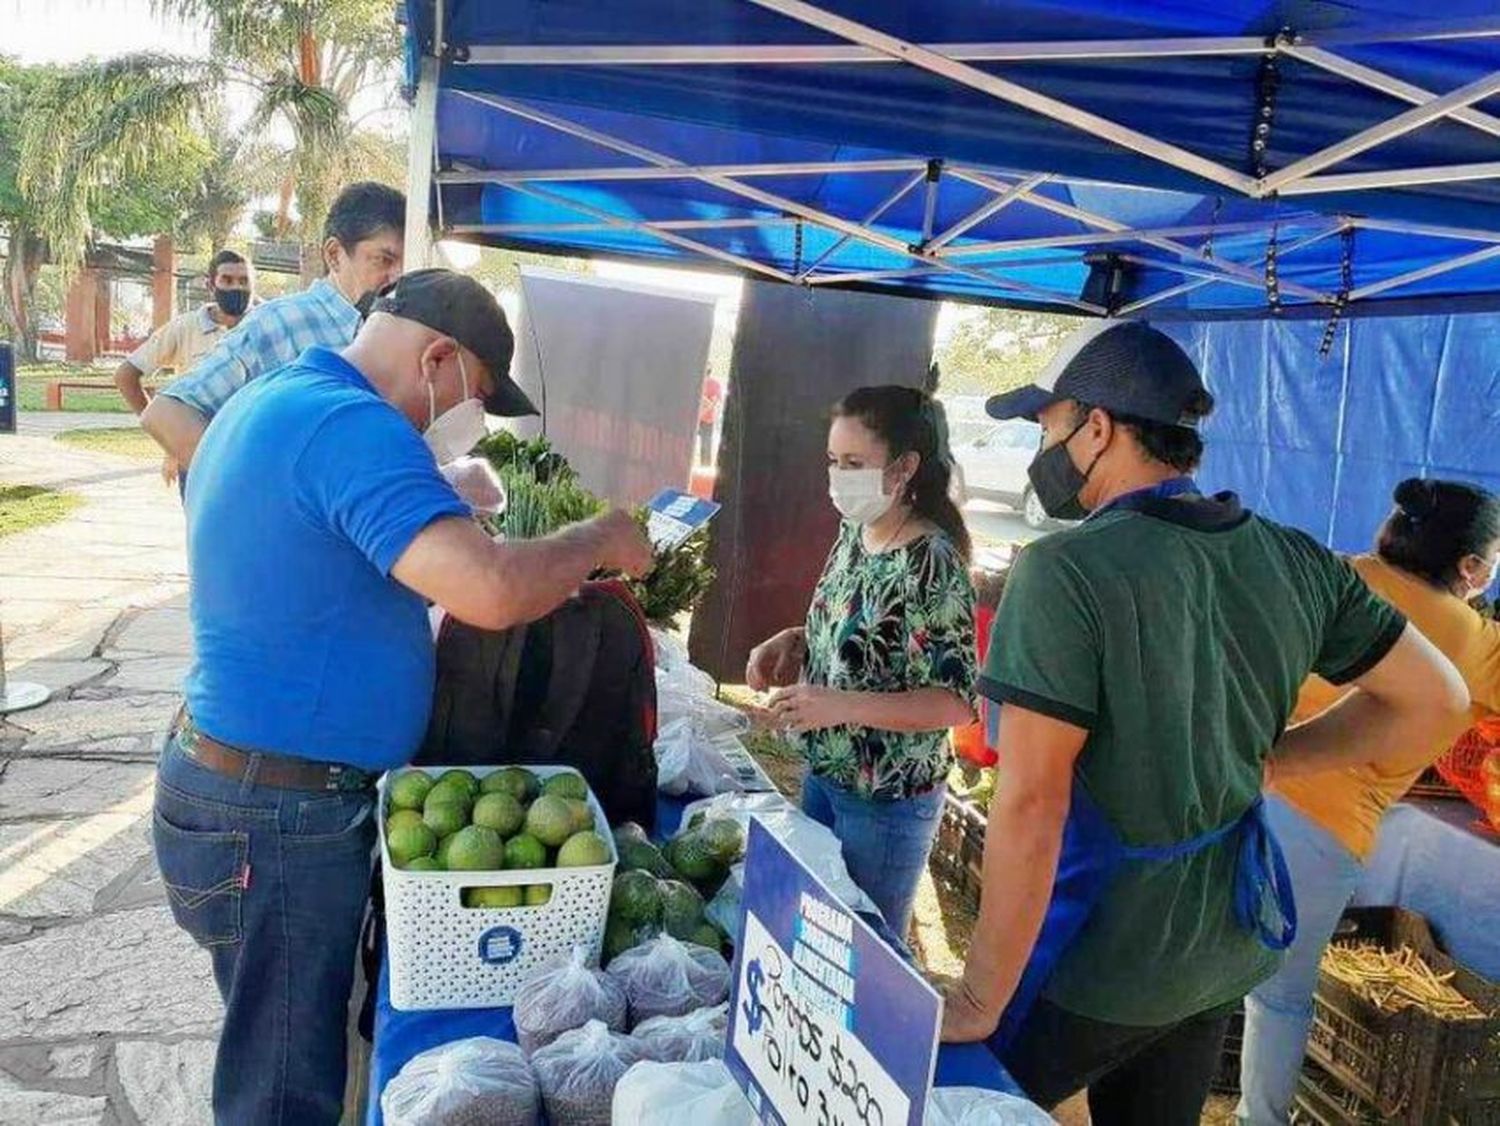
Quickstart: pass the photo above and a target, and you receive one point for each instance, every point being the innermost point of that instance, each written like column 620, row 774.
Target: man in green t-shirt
column 1143, row 666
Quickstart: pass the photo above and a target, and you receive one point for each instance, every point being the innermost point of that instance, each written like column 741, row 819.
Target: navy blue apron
column 1092, row 852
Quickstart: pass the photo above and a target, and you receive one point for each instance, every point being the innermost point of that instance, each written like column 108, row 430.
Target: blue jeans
column 1278, row 1013
column 273, row 883
column 886, row 843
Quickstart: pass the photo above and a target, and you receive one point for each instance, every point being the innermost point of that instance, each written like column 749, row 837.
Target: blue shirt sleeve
column 260, row 342
column 367, row 476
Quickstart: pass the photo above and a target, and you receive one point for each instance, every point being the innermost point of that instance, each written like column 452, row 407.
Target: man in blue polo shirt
column 319, row 526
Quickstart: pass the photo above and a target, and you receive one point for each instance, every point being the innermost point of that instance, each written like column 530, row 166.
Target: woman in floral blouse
column 885, row 665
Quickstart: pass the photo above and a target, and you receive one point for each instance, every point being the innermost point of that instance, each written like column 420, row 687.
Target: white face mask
column 859, row 494
column 458, row 429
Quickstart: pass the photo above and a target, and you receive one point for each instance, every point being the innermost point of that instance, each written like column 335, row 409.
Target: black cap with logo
column 459, row 306
column 1123, row 366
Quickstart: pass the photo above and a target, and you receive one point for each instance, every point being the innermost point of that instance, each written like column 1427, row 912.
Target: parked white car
column 992, row 466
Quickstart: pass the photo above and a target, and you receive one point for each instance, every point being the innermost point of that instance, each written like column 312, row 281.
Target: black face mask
column 232, row 302
column 1057, row 481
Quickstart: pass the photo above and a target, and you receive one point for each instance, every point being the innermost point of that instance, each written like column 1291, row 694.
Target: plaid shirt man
column 272, row 334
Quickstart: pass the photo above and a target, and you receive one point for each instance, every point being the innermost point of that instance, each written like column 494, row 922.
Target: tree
column 307, row 61
column 25, row 249
column 103, row 148
column 993, row 350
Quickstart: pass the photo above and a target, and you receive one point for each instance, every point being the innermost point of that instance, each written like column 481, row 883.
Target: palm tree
column 307, row 62
column 101, row 145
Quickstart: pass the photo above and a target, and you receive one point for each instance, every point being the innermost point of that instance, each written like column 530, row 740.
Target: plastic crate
column 1410, row 1066
column 1321, row 1101
column 957, row 860
column 1227, row 1079
column 444, row 955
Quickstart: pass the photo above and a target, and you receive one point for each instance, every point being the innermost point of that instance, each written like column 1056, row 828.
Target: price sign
column 828, row 1026
column 675, row 515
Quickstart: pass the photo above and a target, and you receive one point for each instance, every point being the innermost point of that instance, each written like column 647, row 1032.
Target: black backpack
column 576, row 688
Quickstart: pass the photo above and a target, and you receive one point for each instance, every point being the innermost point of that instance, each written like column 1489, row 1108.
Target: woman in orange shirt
column 1437, row 553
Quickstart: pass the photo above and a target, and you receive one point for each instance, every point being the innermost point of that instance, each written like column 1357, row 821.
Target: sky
column 67, row 31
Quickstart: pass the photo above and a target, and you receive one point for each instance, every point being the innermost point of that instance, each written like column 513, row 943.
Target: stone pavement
column 107, row 1012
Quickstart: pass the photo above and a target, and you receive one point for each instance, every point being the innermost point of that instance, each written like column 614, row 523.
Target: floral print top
column 889, row 622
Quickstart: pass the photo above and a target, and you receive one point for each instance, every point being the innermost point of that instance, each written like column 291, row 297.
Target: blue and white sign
column 827, row 1024
column 500, row 946
column 675, row 515
column 7, row 389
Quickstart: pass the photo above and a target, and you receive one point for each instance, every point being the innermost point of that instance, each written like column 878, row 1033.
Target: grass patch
column 23, row 507
column 122, row 441
column 32, row 380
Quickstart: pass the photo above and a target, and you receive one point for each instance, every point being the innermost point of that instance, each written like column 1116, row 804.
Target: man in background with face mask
column 318, row 528
column 1142, row 670
column 188, row 337
column 362, row 253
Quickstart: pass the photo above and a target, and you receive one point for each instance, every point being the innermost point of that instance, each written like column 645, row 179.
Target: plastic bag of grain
column 578, row 1071
column 665, row 977
column 564, row 995
column 681, row 1094
column 977, row 1106
column 692, row 1038
column 476, row 1082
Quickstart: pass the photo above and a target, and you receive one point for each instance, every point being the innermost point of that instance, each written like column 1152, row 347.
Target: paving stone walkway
column 107, row 1012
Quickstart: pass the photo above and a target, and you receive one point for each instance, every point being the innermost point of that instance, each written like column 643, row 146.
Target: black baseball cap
column 1123, row 366
column 459, row 306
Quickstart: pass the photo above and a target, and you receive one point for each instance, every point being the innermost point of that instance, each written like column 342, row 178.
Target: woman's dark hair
column 1435, row 525
column 362, row 211
column 911, row 421
column 1180, row 447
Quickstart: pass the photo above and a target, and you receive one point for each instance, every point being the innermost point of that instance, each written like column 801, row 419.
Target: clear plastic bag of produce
column 692, row 1038
column 812, row 843
column 681, row 1094
column 683, row 691
column 738, row 807
column 978, row 1106
column 691, row 761
column 665, row 977
column 564, row 995
column 578, row 1071
column 476, row 1082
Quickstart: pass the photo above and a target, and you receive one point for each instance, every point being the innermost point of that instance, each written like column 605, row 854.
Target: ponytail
column 908, row 420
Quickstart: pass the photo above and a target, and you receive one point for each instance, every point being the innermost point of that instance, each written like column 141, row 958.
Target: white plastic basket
column 444, row 955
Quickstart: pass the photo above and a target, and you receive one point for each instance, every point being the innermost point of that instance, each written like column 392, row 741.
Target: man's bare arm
column 177, row 427
column 495, row 586
column 128, row 379
column 1404, row 706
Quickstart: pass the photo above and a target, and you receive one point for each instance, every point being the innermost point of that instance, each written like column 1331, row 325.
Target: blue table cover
column 401, row 1035
column 1436, row 858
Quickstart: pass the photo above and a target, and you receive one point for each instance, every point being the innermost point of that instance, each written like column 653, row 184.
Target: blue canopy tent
column 1259, row 163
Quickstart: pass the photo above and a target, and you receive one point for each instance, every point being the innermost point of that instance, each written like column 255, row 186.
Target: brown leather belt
column 268, row 769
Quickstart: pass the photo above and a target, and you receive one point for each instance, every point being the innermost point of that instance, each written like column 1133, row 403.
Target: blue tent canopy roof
column 987, row 151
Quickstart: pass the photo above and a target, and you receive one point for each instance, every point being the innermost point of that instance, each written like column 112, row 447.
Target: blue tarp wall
column 1320, row 443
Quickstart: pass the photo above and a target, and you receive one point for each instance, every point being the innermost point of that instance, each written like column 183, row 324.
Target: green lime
column 409, row 842
column 499, row 812
column 516, row 781
column 525, row 851
column 584, row 850
column 493, row 897
column 462, row 778
column 550, row 820
column 566, row 785
column 445, row 818
column 537, row 895
column 476, row 849
column 408, row 790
